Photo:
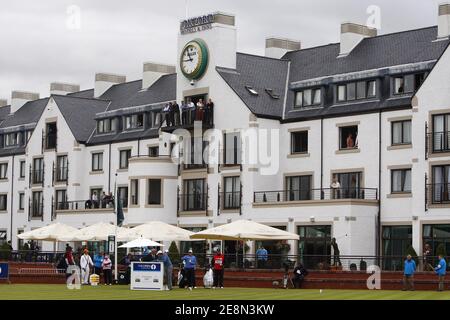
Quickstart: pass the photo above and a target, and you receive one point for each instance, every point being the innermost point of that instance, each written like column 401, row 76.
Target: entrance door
column 314, row 246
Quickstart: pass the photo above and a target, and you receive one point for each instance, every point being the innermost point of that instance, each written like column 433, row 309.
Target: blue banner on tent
column 4, row 271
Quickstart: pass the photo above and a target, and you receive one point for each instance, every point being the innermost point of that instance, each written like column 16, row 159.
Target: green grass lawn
column 60, row 292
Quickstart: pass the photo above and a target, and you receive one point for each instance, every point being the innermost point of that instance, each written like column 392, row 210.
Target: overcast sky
column 41, row 41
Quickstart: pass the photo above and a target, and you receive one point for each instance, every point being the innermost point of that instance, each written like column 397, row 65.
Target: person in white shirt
column 85, row 264
column 335, row 188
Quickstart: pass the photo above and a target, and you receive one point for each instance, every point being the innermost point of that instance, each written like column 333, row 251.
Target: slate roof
column 30, row 112
column 4, row 111
column 79, row 114
column 89, row 93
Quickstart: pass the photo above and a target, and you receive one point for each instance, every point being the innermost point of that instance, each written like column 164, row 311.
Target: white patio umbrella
column 244, row 230
column 157, row 230
column 140, row 243
column 98, row 232
column 53, row 232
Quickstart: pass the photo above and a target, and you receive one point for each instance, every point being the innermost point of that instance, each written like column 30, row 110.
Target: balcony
column 196, row 203
column 37, row 177
column 36, row 210
column 438, row 142
column 61, row 174
column 231, row 200
column 328, row 194
column 171, row 121
column 84, row 205
column 438, row 194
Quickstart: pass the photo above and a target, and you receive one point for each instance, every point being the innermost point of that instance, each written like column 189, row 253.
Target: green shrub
column 174, row 254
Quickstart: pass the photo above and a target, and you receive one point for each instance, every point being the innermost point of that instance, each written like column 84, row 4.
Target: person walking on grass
column 107, row 269
column 408, row 274
column 440, row 271
column 190, row 262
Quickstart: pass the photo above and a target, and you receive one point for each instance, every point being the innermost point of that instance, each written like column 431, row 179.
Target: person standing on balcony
column 209, row 112
column 176, row 113
column 218, row 269
column 95, row 199
column 191, row 107
column 336, row 253
column 440, row 271
column 335, row 188
column 184, row 113
column 85, row 264
column 166, row 112
column 408, row 273
column 190, row 263
column 200, row 110
column 261, row 257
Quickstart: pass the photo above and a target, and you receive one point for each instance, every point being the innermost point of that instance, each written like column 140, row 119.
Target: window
column 441, row 133
column 37, row 204
column 251, row 90
column 231, row 192
column 356, row 90
column 298, row 188
column 61, row 168
column 440, row 188
column 308, row 97
column 153, row 151
column 124, row 156
column 50, row 136
column 22, row 169
column 134, row 185
column 315, row 241
column 3, row 202
column 350, row 183
column 38, row 171
column 408, row 83
column 21, row 201
column 106, row 125
column 154, row 192
column 3, row 171
column 123, row 196
column 61, row 200
column 12, row 139
column 396, row 240
column 348, row 137
column 436, row 235
column 232, row 148
column 97, row 161
column 134, row 121
column 401, row 181
column 299, row 142
column 194, row 198
column 401, row 132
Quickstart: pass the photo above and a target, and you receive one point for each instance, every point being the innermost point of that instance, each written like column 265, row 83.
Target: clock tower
column 204, row 43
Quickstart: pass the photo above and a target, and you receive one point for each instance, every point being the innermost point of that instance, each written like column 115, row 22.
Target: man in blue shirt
column 168, row 267
column 261, row 257
column 408, row 274
column 440, row 271
column 190, row 262
column 98, row 260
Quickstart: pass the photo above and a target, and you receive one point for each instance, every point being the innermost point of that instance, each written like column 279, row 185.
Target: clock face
column 194, row 59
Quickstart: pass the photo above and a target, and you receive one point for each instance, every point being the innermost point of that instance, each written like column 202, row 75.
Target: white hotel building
column 390, row 92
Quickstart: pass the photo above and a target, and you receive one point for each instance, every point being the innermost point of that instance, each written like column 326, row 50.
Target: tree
column 174, row 254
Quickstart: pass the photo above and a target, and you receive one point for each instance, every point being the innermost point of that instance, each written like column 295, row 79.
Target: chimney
column 3, row 103
column 153, row 71
column 444, row 21
column 63, row 88
column 19, row 98
column 104, row 81
column 278, row 47
column 352, row 34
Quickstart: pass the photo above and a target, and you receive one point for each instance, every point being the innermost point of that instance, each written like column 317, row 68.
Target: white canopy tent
column 244, row 230
column 98, row 232
column 158, row 230
column 53, row 232
column 140, row 243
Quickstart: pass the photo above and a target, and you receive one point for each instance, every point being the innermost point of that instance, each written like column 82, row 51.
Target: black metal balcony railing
column 231, row 200
column 316, row 194
column 84, row 205
column 438, row 193
column 187, row 117
column 191, row 166
column 438, row 141
column 193, row 202
column 37, row 176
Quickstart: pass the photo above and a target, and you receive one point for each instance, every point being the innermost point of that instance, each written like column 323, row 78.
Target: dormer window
column 12, row 139
column 272, row 94
column 356, row 91
column 135, row 121
column 408, row 83
column 251, row 90
column 106, row 125
column 308, row 97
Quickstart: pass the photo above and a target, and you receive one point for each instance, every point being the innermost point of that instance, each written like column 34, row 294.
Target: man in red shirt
column 217, row 262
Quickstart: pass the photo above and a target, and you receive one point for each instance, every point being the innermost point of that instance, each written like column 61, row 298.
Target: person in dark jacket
column 408, row 273
column 299, row 275
column 151, row 256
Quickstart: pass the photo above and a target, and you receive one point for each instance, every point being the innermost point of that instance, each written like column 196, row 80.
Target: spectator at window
column 209, row 112
column 350, row 141
column 200, row 110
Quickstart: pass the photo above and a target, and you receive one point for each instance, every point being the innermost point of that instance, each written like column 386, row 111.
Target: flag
column 119, row 211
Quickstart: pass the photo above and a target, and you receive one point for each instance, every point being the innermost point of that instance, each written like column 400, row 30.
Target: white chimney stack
column 444, row 21
column 278, row 47
column 3, row 102
column 104, row 81
column 352, row 34
column 153, row 71
column 63, row 89
column 19, row 98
